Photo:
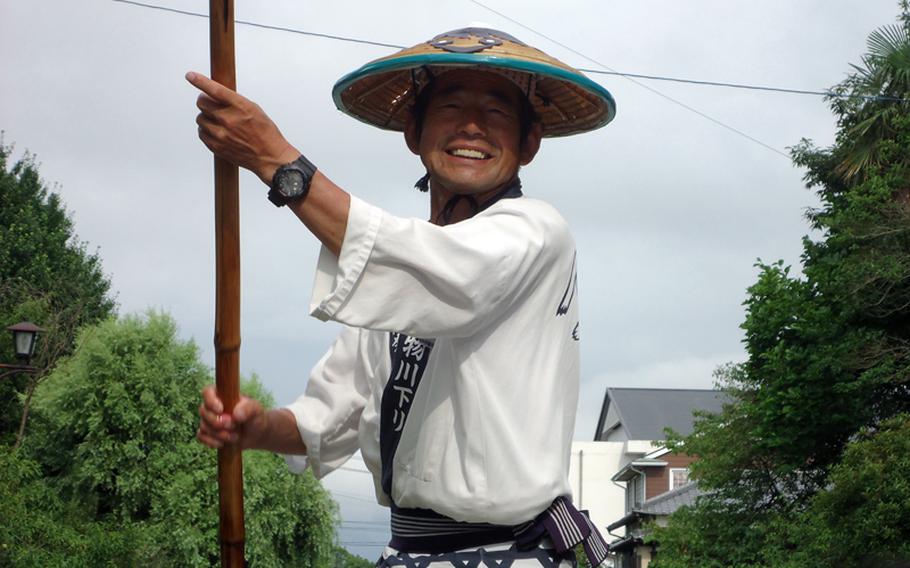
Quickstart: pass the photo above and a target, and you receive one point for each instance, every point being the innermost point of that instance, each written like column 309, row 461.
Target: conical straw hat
column 566, row 101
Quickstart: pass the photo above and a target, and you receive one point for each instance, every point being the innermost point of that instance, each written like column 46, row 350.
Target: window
column 679, row 476
column 635, row 492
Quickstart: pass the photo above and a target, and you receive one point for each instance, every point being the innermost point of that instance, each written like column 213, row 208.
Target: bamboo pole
column 227, row 297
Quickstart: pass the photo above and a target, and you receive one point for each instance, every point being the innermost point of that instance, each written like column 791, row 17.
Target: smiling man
column 472, row 130
column 456, row 374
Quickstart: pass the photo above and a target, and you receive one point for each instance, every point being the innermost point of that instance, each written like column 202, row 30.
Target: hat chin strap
column 423, row 184
column 511, row 189
column 445, row 216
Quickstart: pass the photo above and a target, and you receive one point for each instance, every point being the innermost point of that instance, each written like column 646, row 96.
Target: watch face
column 290, row 183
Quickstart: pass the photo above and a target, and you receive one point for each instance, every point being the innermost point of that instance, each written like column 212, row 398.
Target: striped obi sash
column 423, row 530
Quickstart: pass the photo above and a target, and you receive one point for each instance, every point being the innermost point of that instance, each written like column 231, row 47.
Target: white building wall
column 639, row 448
column 590, row 469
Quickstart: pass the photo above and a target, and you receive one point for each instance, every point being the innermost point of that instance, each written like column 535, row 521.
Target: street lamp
column 25, row 336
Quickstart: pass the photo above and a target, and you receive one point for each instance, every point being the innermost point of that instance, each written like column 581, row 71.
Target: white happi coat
column 489, row 430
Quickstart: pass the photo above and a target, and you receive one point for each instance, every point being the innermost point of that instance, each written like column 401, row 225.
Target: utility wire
column 355, row 497
column 639, row 83
column 264, row 26
column 751, row 87
column 355, row 470
column 383, row 529
column 594, row 71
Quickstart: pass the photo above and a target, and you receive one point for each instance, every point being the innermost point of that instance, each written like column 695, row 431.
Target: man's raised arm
column 238, row 130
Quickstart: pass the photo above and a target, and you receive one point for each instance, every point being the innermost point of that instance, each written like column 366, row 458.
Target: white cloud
column 689, row 372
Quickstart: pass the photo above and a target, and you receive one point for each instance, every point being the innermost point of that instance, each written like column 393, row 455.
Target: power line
column 367, row 523
column 639, row 83
column 264, row 26
column 750, row 87
column 355, row 470
column 384, row 529
column 594, row 71
column 355, row 497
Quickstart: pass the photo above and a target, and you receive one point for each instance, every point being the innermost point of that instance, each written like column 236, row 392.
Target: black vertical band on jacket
column 409, row 356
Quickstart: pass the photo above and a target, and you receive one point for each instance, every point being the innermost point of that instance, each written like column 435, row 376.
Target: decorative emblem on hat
column 460, row 41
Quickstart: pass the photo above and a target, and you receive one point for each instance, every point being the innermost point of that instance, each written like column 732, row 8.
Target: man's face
column 470, row 136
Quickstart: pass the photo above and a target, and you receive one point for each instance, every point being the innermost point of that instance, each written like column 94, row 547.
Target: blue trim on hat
column 474, row 59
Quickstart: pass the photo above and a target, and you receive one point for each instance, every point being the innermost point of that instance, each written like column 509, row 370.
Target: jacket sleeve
column 328, row 413
column 414, row 277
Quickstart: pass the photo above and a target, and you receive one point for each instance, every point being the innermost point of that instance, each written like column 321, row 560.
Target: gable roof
column 663, row 504
column 644, row 413
column 667, row 503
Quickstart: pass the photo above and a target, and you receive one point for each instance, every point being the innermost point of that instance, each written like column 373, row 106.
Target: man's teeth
column 466, row 153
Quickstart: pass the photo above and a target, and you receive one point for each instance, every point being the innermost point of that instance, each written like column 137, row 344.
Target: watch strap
column 301, row 165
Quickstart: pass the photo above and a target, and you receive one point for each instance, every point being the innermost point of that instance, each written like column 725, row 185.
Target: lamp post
column 25, row 337
column 25, row 334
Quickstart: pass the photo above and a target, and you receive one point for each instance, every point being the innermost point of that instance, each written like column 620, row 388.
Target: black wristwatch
column 291, row 181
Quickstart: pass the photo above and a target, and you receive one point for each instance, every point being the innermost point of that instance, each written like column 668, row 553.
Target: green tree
column 114, row 437
column 878, row 85
column 861, row 519
column 39, row 529
column 46, row 276
column 828, row 352
column 344, row 559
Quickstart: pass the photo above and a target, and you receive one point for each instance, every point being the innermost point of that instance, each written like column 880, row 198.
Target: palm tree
column 880, row 89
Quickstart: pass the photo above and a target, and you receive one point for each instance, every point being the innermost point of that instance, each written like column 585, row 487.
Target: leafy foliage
column 344, row 559
column 113, row 443
column 879, row 84
column 118, row 416
column 712, row 535
column 828, row 361
column 861, row 519
column 40, row 529
column 46, row 276
column 111, row 474
column 38, row 245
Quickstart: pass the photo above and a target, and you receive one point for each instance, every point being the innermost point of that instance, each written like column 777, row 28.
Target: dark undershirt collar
column 510, row 191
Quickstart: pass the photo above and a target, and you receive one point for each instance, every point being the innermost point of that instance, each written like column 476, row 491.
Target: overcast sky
column 669, row 209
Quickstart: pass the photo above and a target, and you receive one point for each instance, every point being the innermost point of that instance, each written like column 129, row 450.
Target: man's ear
column 412, row 134
column 531, row 144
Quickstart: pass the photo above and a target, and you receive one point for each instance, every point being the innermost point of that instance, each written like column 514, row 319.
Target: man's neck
column 463, row 209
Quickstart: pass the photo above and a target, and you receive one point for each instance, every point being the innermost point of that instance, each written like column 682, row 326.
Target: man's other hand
column 237, row 130
column 245, row 426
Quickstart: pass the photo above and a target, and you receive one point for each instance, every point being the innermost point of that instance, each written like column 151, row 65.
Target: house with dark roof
column 654, row 481
column 656, row 485
column 643, row 414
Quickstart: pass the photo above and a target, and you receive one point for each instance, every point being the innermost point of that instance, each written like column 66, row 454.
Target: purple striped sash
column 566, row 526
column 422, row 530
